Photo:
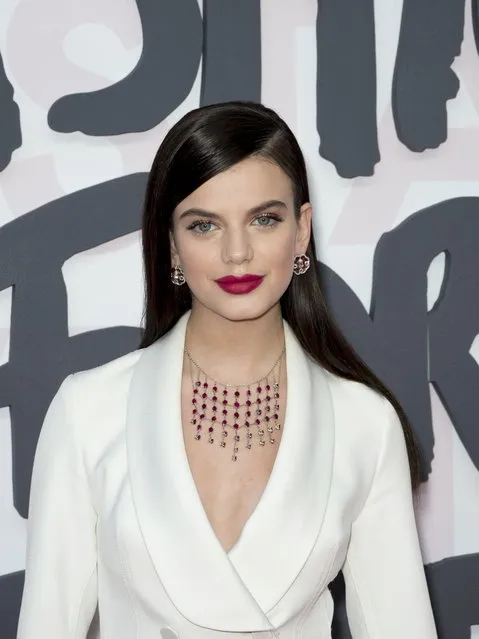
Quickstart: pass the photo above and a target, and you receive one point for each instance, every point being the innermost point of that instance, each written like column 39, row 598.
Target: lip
column 237, row 279
column 239, row 285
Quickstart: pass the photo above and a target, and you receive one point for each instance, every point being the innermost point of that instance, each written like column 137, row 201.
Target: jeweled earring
column 177, row 275
column 301, row 264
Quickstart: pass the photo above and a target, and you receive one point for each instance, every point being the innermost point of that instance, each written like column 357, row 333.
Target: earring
column 177, row 275
column 301, row 264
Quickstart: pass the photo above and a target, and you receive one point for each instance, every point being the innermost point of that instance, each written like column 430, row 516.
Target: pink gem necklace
column 232, row 408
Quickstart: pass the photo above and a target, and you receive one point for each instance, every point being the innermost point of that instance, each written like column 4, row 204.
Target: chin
column 243, row 310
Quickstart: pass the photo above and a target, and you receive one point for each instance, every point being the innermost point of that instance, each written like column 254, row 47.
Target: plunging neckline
column 239, row 590
column 264, row 498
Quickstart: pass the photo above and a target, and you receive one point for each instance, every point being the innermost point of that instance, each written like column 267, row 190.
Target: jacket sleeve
column 386, row 591
column 60, row 592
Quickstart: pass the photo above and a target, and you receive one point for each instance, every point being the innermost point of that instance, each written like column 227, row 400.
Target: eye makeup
column 269, row 216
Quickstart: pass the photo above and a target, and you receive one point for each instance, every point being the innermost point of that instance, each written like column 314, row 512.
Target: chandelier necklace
column 235, row 415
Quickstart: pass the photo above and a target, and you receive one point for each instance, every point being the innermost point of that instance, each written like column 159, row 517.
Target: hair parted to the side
column 205, row 142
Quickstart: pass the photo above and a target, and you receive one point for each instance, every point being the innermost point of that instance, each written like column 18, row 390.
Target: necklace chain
column 219, row 413
column 268, row 374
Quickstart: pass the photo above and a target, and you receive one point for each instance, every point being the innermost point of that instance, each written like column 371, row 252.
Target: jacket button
column 168, row 633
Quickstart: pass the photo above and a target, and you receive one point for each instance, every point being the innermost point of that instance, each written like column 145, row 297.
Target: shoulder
column 356, row 402
column 109, row 377
column 367, row 426
column 86, row 411
column 99, row 396
column 95, row 400
column 113, row 377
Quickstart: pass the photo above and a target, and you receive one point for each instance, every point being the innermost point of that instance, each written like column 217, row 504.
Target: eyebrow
column 260, row 208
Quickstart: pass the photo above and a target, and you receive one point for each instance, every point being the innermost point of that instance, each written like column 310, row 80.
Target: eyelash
column 271, row 216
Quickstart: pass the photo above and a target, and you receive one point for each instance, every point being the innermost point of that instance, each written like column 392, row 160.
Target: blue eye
column 199, row 227
column 268, row 219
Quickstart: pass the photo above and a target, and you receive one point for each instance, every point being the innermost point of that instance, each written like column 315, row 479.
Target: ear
column 303, row 231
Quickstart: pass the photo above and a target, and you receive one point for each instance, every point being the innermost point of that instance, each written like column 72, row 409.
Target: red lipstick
column 239, row 285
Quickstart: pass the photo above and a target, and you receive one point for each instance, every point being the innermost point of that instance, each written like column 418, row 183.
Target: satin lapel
column 196, row 573
column 283, row 529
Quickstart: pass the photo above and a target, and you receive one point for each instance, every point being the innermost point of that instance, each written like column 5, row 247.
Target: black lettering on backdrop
column 346, row 86
column 173, row 29
column 10, row 132
column 399, row 339
column 11, row 589
column 454, row 321
column 231, row 51
column 454, row 588
column 346, row 104
column 392, row 339
column 430, row 38
column 162, row 79
column 33, row 250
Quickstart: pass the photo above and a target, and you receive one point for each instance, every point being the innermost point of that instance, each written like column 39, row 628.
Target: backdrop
column 384, row 99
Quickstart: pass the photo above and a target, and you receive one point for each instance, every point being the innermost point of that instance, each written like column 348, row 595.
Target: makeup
column 239, row 285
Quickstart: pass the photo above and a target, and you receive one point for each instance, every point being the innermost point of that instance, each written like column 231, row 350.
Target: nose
column 237, row 247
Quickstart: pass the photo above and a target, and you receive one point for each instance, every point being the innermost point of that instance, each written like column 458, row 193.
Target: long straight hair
column 205, row 142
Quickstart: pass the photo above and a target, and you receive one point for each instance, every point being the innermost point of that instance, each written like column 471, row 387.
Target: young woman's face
column 241, row 222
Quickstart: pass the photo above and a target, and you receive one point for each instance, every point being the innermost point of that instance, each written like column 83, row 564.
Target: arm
column 386, row 591
column 60, row 592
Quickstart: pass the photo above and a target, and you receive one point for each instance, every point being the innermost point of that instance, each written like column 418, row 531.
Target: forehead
column 241, row 187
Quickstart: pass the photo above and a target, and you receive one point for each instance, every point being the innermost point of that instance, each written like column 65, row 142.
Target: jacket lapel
column 226, row 591
column 283, row 529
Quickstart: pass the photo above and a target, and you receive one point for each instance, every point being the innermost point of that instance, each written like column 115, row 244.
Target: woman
column 213, row 482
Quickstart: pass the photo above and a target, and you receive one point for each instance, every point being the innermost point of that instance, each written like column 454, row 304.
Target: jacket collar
column 241, row 590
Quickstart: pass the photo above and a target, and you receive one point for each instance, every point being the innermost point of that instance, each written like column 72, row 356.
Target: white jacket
column 116, row 520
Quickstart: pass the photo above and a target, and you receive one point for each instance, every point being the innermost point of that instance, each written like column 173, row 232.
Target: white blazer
column 116, row 520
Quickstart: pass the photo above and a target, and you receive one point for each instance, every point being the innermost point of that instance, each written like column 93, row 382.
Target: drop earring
column 301, row 264
column 177, row 275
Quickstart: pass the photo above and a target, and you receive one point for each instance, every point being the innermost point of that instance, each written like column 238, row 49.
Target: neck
column 234, row 351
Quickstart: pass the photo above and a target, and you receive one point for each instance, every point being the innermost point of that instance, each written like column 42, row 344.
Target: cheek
column 281, row 252
column 195, row 255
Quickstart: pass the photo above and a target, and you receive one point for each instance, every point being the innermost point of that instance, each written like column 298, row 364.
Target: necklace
column 235, row 408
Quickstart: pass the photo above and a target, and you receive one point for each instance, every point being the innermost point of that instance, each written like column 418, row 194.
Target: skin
column 235, row 243
column 236, row 338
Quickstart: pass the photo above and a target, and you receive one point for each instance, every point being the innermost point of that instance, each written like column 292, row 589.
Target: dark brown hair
column 202, row 144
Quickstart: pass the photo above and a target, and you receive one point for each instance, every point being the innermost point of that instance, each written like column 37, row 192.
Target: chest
column 230, row 477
